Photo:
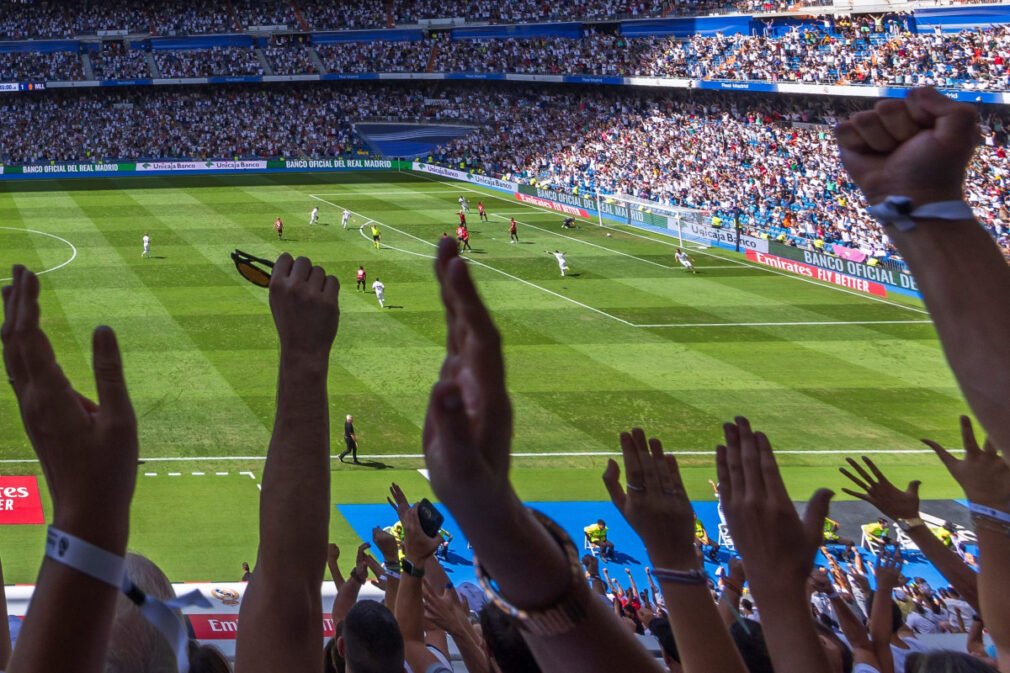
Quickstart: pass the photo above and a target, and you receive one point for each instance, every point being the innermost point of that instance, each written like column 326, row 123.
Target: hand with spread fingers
column 880, row 492
column 918, row 147
column 983, row 473
column 777, row 547
column 88, row 451
column 655, row 503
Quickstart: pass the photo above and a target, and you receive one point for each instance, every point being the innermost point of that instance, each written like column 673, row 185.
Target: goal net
column 687, row 224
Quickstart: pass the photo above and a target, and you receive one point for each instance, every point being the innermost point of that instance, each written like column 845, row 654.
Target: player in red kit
column 466, row 238
column 513, row 233
column 462, row 218
column 279, row 228
column 459, row 236
column 361, row 279
column 481, row 212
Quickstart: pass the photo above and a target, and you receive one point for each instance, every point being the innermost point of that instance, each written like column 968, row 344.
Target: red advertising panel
column 225, row 626
column 20, row 502
column 817, row 273
column 553, row 205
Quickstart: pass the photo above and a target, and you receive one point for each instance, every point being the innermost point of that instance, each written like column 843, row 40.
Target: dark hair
column 206, row 659
column 897, row 621
column 505, row 642
column 847, row 661
column 750, row 642
column 946, row 661
column 660, row 627
column 372, row 640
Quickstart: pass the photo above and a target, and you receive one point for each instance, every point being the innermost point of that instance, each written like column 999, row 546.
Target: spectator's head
column 838, row 653
column 750, row 641
column 505, row 642
column 946, row 661
column 332, row 661
column 660, row 627
column 207, row 659
column 134, row 645
column 371, row 640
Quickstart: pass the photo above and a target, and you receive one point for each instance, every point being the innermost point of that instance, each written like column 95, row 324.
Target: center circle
column 30, row 232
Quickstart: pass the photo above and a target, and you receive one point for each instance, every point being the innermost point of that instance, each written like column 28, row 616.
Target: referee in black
column 351, row 440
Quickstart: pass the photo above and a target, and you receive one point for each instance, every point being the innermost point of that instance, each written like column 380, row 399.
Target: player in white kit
column 464, row 205
column 346, row 216
column 562, row 262
column 314, row 217
column 147, row 246
column 380, row 292
column 685, row 261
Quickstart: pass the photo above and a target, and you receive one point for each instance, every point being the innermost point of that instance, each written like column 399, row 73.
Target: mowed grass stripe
column 180, row 395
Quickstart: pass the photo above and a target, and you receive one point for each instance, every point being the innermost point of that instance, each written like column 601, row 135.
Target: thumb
column 913, row 488
column 816, row 512
column 447, row 428
column 108, row 366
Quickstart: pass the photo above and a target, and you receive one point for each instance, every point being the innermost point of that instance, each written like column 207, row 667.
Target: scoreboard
column 22, row 86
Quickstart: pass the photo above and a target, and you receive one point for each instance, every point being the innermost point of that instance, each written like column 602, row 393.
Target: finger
column 949, row 461
column 873, row 132
column 301, row 269
column 724, row 487
column 649, row 471
column 863, row 474
column 331, row 289
column 857, row 494
column 317, row 278
column 282, row 267
column 876, row 471
column 816, row 512
column 446, row 253
column 676, row 483
column 612, row 480
column 955, row 123
column 989, row 448
column 447, row 431
column 913, row 487
column 109, row 380
column 750, row 460
column 896, row 119
column 770, row 473
column 484, row 342
column 632, row 461
column 734, row 463
column 661, row 465
column 853, row 479
column 968, row 438
column 11, row 351
column 849, row 139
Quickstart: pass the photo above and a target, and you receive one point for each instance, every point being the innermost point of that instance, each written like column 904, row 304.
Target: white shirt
column 147, row 241
column 347, row 214
column 378, row 287
column 560, row 256
column 315, row 211
column 921, row 624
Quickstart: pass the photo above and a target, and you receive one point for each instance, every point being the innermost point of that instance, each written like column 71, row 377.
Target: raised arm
column 985, row 477
column 777, row 547
column 88, row 454
column 657, row 507
column 282, row 612
column 732, row 592
column 881, row 627
column 852, row 627
column 332, row 558
column 418, row 547
column 347, row 595
column 390, row 550
column 903, row 507
column 467, row 440
column 920, row 148
column 449, row 612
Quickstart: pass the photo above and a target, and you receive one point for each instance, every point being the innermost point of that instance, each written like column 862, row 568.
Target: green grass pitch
column 844, row 373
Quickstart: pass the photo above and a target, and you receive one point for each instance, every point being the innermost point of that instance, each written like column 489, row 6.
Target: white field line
column 553, row 454
column 73, row 253
column 602, row 312
column 675, row 245
column 487, row 266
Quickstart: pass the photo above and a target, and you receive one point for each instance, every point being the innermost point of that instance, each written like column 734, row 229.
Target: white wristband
column 901, row 213
column 85, row 557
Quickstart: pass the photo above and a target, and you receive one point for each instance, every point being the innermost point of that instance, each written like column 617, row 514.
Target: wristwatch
column 907, row 524
column 411, row 569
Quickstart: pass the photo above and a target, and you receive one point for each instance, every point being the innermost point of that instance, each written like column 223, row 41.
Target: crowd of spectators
column 358, row 57
column 289, row 55
column 26, row 66
column 117, row 61
column 542, row 604
column 220, row 61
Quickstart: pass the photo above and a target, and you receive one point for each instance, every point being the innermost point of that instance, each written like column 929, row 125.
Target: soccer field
column 628, row 338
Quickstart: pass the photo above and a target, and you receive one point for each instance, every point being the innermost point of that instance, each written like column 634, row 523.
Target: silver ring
column 632, row 487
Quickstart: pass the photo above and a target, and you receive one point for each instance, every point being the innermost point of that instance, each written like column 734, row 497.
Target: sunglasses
column 249, row 267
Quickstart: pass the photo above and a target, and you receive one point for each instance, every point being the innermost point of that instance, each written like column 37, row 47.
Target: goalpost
column 644, row 214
